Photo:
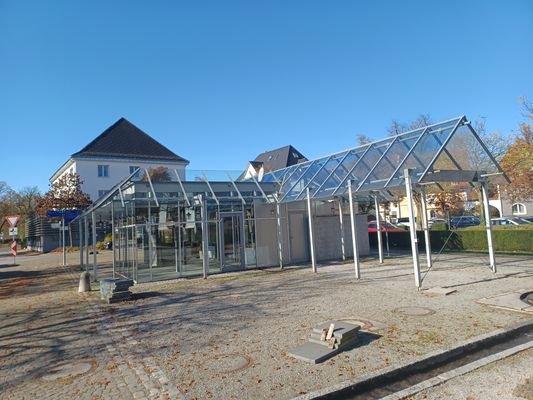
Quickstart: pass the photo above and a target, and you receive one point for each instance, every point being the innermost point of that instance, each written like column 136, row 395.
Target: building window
column 103, row 171
column 518, row 209
column 102, row 192
column 137, row 174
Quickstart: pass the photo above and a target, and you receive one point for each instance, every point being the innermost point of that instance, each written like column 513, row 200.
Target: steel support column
column 354, row 232
column 205, row 239
column 311, row 240
column 378, row 230
column 63, row 240
column 113, row 234
column 341, row 223
column 412, row 226
column 80, row 243
column 86, row 228
column 93, row 220
column 425, row 226
column 488, row 226
column 278, row 223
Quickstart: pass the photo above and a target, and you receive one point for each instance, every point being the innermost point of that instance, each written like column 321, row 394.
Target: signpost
column 14, row 250
column 66, row 216
column 13, row 220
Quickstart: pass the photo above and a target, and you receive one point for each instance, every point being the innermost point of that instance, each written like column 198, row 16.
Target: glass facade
column 168, row 233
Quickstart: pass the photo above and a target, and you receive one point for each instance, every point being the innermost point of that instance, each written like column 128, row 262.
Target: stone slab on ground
column 115, row 290
column 313, row 353
column 342, row 329
column 316, row 350
column 508, row 301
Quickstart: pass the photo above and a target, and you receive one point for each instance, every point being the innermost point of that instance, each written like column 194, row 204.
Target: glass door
column 232, row 241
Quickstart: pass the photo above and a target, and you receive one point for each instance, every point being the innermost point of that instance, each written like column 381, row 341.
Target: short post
column 412, row 226
column 310, row 218
column 488, row 226
column 354, row 232
column 85, row 282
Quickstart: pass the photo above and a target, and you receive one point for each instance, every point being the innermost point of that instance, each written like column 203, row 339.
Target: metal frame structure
column 431, row 156
column 414, row 161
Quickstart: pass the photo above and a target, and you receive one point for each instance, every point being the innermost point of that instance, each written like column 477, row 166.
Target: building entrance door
column 231, row 241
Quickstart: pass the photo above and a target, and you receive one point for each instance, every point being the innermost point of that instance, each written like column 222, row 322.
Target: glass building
column 168, row 226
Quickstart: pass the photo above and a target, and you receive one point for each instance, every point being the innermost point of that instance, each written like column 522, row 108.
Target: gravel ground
column 228, row 336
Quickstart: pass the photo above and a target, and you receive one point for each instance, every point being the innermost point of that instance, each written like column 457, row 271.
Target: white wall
column 87, row 169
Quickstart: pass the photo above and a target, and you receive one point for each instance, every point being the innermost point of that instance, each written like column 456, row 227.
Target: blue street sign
column 69, row 215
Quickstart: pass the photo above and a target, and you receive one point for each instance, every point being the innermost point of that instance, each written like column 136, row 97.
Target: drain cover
column 366, row 324
column 414, row 311
column 228, row 363
column 527, row 298
column 68, row 370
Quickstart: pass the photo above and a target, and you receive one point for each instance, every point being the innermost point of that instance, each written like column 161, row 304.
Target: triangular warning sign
column 12, row 220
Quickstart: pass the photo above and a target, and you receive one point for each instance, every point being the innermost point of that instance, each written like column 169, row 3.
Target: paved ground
column 228, row 336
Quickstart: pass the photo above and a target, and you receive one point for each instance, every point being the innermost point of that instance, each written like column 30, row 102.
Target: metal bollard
column 85, row 282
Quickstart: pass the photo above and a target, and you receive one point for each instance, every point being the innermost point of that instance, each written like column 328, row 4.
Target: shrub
column 439, row 226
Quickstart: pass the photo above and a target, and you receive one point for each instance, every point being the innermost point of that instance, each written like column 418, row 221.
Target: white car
column 509, row 221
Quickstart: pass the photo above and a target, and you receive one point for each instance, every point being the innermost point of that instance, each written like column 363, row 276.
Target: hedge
column 505, row 240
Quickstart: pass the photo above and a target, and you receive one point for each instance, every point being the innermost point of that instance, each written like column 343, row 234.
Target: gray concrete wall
column 326, row 229
column 267, row 253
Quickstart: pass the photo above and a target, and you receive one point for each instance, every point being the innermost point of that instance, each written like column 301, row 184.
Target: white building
column 115, row 154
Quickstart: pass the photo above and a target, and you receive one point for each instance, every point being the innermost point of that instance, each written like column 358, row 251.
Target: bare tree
column 397, row 127
column 362, row 139
column 26, row 200
column 422, row 121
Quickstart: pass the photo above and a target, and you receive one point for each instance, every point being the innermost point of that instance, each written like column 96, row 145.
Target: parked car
column 403, row 221
column 509, row 221
column 385, row 227
column 436, row 220
column 464, row 221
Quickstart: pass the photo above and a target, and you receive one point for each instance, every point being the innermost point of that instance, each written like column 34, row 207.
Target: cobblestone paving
column 46, row 325
column 228, row 336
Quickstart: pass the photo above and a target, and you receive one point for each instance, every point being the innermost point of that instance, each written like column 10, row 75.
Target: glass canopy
column 449, row 151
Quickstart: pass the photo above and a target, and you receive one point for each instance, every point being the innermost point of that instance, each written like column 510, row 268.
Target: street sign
column 69, row 215
column 12, row 220
column 13, row 248
column 13, row 231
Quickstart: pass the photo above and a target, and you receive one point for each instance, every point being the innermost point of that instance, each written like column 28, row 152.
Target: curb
column 438, row 356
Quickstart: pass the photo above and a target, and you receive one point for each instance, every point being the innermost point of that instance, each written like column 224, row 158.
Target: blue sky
column 220, row 81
